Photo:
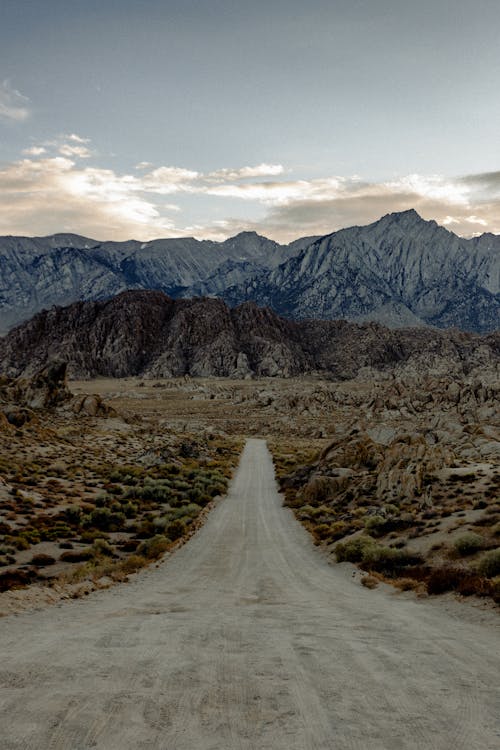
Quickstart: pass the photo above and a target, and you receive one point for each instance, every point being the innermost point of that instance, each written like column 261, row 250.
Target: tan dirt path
column 247, row 639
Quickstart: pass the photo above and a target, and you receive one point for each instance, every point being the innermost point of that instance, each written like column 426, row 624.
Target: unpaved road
column 248, row 638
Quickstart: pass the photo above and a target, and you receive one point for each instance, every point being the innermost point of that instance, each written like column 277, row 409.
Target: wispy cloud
column 82, row 152
column 13, row 104
column 34, row 151
column 51, row 190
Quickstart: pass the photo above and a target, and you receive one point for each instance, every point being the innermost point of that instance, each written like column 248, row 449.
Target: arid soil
column 396, row 472
column 248, row 638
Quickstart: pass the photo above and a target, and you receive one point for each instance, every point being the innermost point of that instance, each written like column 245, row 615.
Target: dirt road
column 248, row 638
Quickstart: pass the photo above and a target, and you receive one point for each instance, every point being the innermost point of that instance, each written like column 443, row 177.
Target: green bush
column 375, row 524
column 176, row 529
column 102, row 547
column 489, row 563
column 104, row 519
column 468, row 544
column 354, row 550
column 373, row 556
column 154, row 548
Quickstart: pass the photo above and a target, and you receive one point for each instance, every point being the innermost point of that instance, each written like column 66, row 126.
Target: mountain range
column 148, row 334
column 399, row 271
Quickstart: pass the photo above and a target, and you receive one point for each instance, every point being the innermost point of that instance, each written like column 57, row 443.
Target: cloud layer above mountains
column 57, row 187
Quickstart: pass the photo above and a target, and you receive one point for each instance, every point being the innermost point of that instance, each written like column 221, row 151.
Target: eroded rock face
column 149, row 334
column 20, row 398
column 92, row 406
column 48, row 387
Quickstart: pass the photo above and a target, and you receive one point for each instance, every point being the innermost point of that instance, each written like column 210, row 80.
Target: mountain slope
column 401, row 267
column 399, row 271
column 148, row 333
column 40, row 272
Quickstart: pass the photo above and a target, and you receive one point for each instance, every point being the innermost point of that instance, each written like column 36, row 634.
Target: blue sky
column 121, row 118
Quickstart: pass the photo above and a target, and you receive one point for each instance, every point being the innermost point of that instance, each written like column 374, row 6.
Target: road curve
column 247, row 638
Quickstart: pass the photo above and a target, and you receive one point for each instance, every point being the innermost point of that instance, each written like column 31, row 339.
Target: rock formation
column 149, row 334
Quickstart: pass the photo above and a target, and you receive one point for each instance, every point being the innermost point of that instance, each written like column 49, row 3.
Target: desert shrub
column 354, row 550
column 104, row 519
column 133, row 563
column 129, row 545
column 31, row 535
column 146, row 528
column 191, row 509
column 154, row 548
column 406, row 584
column 102, row 547
column 130, row 510
column 305, row 512
column 370, row 582
column 76, row 555
column 479, row 504
column 73, row 515
column 495, row 589
column 468, row 544
column 102, row 500
column 176, row 529
column 321, row 531
column 489, row 563
column 388, row 560
column 443, row 579
column 13, row 579
column 375, row 524
column 42, row 560
column 22, row 543
column 338, row 530
column 472, row 584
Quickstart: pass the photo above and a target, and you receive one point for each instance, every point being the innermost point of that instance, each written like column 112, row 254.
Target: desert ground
column 401, row 476
column 247, row 637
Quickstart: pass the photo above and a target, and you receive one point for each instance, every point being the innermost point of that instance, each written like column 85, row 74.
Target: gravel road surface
column 248, row 638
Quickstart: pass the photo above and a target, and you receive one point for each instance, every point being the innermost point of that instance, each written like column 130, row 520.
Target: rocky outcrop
column 22, row 398
column 149, row 334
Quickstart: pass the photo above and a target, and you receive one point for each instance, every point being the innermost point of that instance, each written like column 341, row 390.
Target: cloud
column 13, row 105
column 45, row 193
column 34, row 151
column 76, row 138
column 261, row 170
column 167, row 180
column 82, row 152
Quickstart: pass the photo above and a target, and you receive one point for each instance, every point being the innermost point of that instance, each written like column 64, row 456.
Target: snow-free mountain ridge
column 399, row 270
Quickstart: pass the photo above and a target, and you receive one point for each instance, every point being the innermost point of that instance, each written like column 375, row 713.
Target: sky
column 123, row 119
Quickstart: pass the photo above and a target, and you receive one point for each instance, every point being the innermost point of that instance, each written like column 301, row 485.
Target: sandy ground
column 248, row 638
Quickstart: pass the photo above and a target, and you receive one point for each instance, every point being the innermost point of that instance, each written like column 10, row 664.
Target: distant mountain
column 400, row 271
column 149, row 334
column 36, row 273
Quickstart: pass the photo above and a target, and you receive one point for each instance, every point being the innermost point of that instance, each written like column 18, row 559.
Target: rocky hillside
column 400, row 271
column 150, row 334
